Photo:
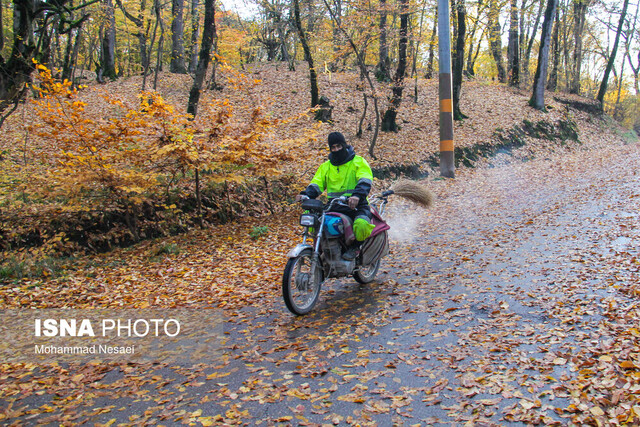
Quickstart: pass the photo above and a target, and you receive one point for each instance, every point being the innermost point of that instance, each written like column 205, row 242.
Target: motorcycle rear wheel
column 367, row 274
column 301, row 286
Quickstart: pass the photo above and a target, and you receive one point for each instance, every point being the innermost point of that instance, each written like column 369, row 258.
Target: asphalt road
column 477, row 316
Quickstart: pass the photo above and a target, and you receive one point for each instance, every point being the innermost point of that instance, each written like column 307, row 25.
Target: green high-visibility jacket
column 353, row 178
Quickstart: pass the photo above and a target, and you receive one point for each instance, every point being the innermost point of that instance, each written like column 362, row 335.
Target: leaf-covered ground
column 513, row 300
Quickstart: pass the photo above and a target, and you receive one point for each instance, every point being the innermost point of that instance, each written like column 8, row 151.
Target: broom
column 413, row 191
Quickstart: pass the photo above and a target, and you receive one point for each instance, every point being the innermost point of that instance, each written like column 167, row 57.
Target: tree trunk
column 458, row 57
column 432, row 44
column 383, row 69
column 363, row 116
column 618, row 110
column 552, row 84
column 513, row 56
column 566, row 55
column 66, row 65
column 579, row 19
column 603, row 86
column 529, row 43
column 29, row 20
column 634, row 70
column 160, row 23
column 389, row 120
column 311, row 21
column 16, row 71
column 48, row 37
column 141, row 35
column 1, row 28
column 495, row 39
column 177, row 64
column 208, row 32
column 337, row 41
column 195, row 30
column 152, row 42
column 476, row 24
column 414, row 68
column 201, row 72
column 213, row 83
column 539, row 81
column 108, row 63
column 313, row 78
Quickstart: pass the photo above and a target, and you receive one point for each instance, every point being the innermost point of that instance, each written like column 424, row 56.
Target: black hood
column 343, row 156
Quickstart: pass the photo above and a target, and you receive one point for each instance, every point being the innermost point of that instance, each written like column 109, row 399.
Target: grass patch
column 14, row 269
column 166, row 249
column 259, row 231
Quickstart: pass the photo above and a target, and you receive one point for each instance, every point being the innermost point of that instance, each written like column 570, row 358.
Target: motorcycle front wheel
column 367, row 274
column 301, row 286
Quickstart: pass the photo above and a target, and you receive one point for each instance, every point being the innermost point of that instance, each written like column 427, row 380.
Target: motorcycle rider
column 345, row 174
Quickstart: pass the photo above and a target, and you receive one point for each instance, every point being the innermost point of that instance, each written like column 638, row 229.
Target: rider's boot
column 351, row 252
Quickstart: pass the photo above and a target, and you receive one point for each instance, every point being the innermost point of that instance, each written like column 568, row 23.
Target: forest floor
column 514, row 299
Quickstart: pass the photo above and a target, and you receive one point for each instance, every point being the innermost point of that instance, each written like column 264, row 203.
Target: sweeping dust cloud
column 406, row 222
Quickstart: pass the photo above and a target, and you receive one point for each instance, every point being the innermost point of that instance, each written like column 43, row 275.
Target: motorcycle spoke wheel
column 367, row 273
column 301, row 286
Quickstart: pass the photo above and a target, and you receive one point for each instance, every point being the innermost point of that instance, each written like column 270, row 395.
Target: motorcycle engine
column 335, row 266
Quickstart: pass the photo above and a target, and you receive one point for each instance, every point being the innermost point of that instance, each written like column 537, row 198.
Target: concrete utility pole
column 447, row 161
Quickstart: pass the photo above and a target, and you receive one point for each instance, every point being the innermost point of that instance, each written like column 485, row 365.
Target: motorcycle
column 310, row 264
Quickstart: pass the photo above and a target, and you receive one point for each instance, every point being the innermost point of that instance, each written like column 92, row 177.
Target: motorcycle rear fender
column 299, row 249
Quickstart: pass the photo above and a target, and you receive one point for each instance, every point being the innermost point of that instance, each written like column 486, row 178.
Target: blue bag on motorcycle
column 333, row 226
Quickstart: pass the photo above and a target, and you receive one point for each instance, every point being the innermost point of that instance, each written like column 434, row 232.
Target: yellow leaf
column 206, row 421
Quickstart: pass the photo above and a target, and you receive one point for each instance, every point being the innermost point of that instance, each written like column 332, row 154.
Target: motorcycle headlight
column 307, row 220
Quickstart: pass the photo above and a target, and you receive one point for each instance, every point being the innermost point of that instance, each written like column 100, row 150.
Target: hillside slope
column 501, row 128
column 494, row 112
column 493, row 109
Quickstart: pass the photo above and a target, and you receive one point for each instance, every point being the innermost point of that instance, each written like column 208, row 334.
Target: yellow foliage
column 133, row 153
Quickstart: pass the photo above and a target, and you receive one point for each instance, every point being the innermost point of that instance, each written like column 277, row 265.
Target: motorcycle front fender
column 295, row 252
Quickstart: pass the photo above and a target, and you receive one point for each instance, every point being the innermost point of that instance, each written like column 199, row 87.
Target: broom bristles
column 414, row 192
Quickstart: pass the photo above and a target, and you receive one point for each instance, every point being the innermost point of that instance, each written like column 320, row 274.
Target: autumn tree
column 552, row 83
column 432, row 45
column 364, row 72
column 313, row 76
column 383, row 68
column 274, row 29
column 495, row 37
column 389, row 119
column 140, row 33
column 540, row 79
column 459, row 18
column 178, row 64
column 631, row 36
column 472, row 53
column 612, row 56
column 580, row 8
column 108, row 51
column 528, row 35
column 208, row 32
column 31, row 29
column 513, row 54
column 195, row 32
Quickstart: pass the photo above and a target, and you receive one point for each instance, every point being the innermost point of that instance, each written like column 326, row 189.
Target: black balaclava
column 342, row 156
